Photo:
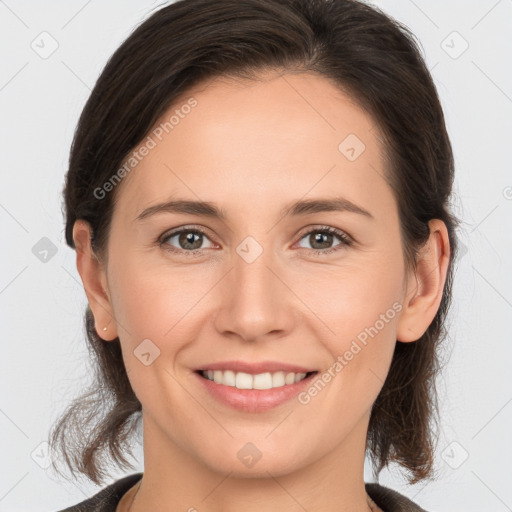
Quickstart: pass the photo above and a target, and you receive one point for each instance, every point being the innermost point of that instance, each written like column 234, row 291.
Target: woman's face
column 265, row 283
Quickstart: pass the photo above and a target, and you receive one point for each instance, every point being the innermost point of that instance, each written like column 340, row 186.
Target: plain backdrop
column 51, row 54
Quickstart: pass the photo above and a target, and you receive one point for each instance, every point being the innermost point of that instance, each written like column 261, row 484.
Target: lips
column 253, row 386
column 252, row 400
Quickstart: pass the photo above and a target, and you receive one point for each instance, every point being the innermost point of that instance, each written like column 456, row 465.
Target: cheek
column 151, row 312
column 359, row 310
column 352, row 299
column 159, row 313
column 361, row 351
column 149, row 299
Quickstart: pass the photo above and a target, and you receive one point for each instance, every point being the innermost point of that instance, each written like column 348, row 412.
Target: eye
column 188, row 239
column 321, row 237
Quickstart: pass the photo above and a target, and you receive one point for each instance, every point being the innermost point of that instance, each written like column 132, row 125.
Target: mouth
column 253, row 392
column 253, row 386
column 259, row 381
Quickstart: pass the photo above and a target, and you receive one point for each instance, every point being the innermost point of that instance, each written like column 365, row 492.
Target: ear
column 425, row 287
column 94, row 279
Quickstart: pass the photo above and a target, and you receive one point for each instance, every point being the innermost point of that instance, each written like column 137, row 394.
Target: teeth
column 242, row 380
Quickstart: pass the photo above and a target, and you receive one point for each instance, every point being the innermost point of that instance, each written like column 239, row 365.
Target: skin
column 252, row 148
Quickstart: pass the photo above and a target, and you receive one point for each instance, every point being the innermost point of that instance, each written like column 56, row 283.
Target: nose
column 255, row 299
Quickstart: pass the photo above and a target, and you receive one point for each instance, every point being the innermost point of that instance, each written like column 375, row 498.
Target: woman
column 258, row 195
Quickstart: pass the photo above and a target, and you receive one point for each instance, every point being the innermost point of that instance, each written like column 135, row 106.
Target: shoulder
column 107, row 499
column 390, row 500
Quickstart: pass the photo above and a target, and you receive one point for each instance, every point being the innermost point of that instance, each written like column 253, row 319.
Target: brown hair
column 367, row 54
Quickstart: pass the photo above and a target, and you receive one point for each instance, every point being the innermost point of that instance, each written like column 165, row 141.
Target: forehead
column 282, row 134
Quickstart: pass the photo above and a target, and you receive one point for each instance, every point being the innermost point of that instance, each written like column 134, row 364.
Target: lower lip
column 254, row 400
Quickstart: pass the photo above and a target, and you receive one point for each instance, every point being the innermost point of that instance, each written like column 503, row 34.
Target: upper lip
column 256, row 367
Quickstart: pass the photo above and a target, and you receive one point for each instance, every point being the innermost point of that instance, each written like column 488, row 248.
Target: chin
column 253, row 460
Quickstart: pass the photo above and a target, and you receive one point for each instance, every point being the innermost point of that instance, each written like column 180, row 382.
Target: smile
column 242, row 380
column 254, row 393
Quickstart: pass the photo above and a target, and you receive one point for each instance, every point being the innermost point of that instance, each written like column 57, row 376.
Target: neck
column 333, row 482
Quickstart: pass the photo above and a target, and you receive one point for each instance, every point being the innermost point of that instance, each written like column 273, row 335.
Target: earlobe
column 424, row 294
column 94, row 280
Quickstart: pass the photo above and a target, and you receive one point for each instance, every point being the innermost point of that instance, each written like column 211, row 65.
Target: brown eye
column 321, row 239
column 185, row 240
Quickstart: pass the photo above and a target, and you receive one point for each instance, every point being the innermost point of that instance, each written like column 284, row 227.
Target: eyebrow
column 297, row 208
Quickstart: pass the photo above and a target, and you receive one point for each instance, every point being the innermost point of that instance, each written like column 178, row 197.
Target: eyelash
column 346, row 241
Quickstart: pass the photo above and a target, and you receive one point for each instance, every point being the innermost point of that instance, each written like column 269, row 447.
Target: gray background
column 45, row 360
